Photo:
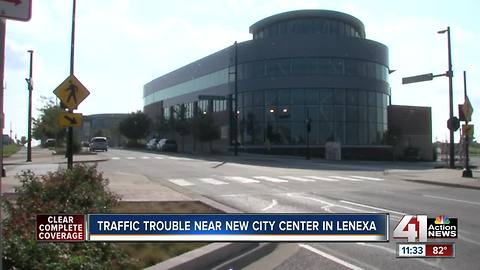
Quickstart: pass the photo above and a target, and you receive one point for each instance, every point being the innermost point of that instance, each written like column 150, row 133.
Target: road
column 258, row 185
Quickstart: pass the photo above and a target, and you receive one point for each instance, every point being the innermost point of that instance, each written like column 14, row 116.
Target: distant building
column 301, row 64
column 6, row 139
column 105, row 125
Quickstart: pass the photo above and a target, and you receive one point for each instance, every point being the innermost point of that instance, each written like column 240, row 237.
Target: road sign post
column 467, row 129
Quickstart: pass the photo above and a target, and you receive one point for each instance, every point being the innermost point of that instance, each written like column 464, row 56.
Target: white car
column 152, row 144
column 98, row 143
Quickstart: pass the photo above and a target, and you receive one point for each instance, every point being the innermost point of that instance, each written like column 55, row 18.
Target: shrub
column 80, row 190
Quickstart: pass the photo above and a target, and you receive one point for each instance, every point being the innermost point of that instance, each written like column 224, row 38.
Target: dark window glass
column 351, row 67
column 341, row 28
column 326, row 96
column 324, row 66
column 240, row 100
column 298, row 133
column 338, row 67
column 380, row 100
column 362, row 114
column 259, row 69
column 282, row 27
column 313, row 136
column 340, row 132
column 362, row 68
column 278, row 68
column 380, row 115
column 248, row 99
column 326, row 27
column 326, row 113
column 371, row 72
column 298, row 96
column 273, row 30
column 311, row 96
column 372, row 133
column 352, row 97
column 258, row 98
column 317, row 26
column 270, row 97
column 348, row 30
column 339, row 113
column 313, row 113
column 284, row 97
column 372, row 98
column 334, row 28
column 351, row 133
column 297, row 113
column 372, row 114
column 362, row 133
column 339, row 95
column 303, row 66
column 352, row 113
column 362, row 98
column 326, row 132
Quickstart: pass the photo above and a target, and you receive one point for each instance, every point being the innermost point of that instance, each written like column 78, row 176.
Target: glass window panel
column 352, row 114
column 340, row 132
column 341, row 28
column 334, row 28
column 326, row 27
column 380, row 115
column 372, row 98
column 248, row 99
column 372, row 133
column 351, row 133
column 326, row 132
column 362, row 114
column 298, row 96
column 385, row 116
column 258, row 98
column 339, row 95
column 282, row 28
column 270, row 97
column 352, row 97
column 339, row 113
column 240, row 100
column 372, row 114
column 348, row 30
column 259, row 69
column 317, row 26
column 273, row 30
column 371, row 72
column 311, row 96
column 362, row 133
column 297, row 113
column 338, row 67
column 326, row 96
column 304, row 66
column 284, row 97
column 313, row 135
column 313, row 113
column 362, row 98
column 351, row 67
column 379, row 100
column 326, row 113
column 298, row 133
column 324, row 66
column 278, row 68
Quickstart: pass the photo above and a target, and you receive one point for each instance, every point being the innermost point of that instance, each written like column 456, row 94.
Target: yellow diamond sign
column 66, row 119
column 467, row 109
column 71, row 92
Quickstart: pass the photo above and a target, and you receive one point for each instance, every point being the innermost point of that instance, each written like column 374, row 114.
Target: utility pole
column 3, row 23
column 30, row 90
column 235, row 111
column 72, row 60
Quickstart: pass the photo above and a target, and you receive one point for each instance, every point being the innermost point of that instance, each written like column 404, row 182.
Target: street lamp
column 450, row 95
column 30, row 89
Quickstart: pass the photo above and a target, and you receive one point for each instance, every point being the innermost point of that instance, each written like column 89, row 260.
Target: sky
column 120, row 45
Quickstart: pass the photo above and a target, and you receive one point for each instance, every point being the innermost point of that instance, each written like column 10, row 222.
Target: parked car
column 152, row 144
column 85, row 144
column 98, row 143
column 50, row 143
column 165, row 145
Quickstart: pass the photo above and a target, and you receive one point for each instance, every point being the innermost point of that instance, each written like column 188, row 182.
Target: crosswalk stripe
column 145, row 157
column 181, row 182
column 240, row 179
column 159, row 157
column 367, row 178
column 322, row 178
column 115, row 158
column 212, row 181
column 270, row 179
column 179, row 158
column 346, row 178
column 295, row 178
column 130, row 158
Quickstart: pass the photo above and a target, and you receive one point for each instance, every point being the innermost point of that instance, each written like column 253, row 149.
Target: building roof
column 309, row 13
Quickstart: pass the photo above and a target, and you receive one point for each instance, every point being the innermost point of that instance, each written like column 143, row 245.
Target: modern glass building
column 306, row 64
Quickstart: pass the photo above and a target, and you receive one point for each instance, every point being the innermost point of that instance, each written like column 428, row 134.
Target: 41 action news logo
column 421, row 228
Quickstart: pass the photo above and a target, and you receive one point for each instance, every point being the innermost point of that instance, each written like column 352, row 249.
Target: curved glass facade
column 322, row 66
column 349, row 116
column 308, row 26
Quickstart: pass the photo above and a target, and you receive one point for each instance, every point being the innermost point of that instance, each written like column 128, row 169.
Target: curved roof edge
column 296, row 14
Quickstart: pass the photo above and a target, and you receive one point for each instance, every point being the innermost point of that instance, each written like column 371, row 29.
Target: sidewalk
column 130, row 187
column 442, row 177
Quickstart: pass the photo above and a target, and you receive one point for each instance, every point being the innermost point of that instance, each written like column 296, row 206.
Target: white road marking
column 145, row 157
column 295, row 178
column 270, row 179
column 367, row 178
column 274, row 202
column 115, row 158
column 373, row 207
column 330, row 257
column 327, row 204
column 181, row 182
column 346, row 178
column 159, row 157
column 450, row 199
column 240, row 179
column 212, row 181
column 322, row 178
column 178, row 158
column 130, row 158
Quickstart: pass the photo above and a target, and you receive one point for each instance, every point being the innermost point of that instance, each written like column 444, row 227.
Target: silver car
column 98, row 143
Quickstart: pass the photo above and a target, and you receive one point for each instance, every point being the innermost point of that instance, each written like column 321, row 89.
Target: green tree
column 136, row 126
column 207, row 130
column 46, row 125
column 183, row 125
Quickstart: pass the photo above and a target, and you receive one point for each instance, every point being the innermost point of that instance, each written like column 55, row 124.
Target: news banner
column 365, row 227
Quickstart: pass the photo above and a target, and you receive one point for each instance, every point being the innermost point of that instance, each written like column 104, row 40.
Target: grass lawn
column 10, row 149
column 150, row 253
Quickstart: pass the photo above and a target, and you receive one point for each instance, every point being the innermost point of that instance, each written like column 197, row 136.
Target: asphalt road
column 271, row 185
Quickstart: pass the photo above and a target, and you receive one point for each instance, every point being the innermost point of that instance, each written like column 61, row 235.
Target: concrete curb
column 248, row 257
column 441, row 183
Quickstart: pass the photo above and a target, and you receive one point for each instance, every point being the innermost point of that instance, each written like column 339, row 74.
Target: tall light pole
column 450, row 96
column 30, row 90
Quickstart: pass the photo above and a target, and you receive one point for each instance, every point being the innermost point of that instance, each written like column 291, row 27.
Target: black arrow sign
column 72, row 120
